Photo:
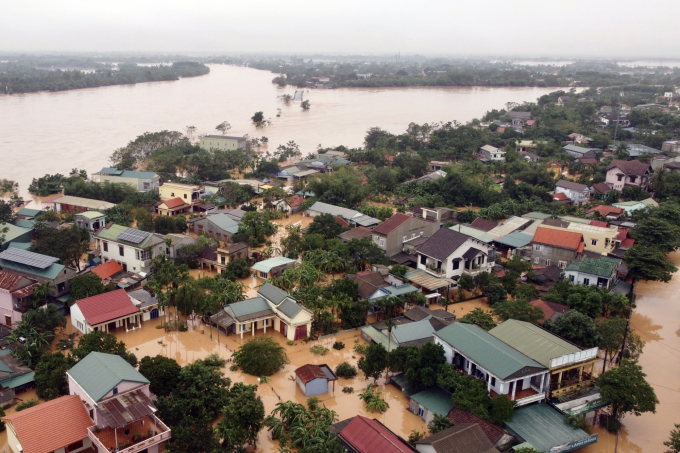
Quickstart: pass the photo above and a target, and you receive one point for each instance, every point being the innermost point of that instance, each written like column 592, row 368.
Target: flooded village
column 503, row 285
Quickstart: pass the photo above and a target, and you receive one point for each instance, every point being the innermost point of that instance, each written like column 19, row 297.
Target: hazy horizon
column 439, row 28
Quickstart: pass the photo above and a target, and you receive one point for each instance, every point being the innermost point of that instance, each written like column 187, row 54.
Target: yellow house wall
column 601, row 236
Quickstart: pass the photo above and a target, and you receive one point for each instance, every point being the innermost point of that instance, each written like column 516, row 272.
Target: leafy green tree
column 374, row 362
column 236, row 268
column 86, row 285
column 439, row 423
column 518, row 309
column 67, row 244
column 255, row 227
column 258, row 117
column 627, row 391
column 345, row 370
column 34, row 334
column 479, row 318
column 424, row 364
column 98, row 341
column 325, row 225
column 243, row 418
column 466, row 282
column 495, row 293
column 649, row 263
column 50, row 376
column 399, row 270
column 575, row 327
column 611, row 332
column 673, row 443
column 162, row 372
column 261, row 356
column 657, row 233
column 297, row 427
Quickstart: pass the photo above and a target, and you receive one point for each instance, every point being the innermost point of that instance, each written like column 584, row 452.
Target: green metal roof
column 290, row 308
column 515, row 239
column 435, row 400
column 29, row 212
column 4, row 368
column 268, row 265
column 413, row 331
column 474, row 232
column 545, row 428
column 379, row 337
column 99, row 373
column 532, row 341
column 49, row 273
column 568, row 218
column 112, row 171
column 29, row 224
column 250, row 306
column 393, row 291
column 90, row 214
column 224, row 222
column 273, row 294
column 16, row 232
column 18, row 381
column 601, row 267
column 486, row 350
column 20, row 245
column 111, row 233
column 537, row 215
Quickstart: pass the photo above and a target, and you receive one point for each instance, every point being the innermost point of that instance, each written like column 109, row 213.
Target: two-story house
column 557, row 247
column 505, row 370
column 621, row 174
column 41, row 268
column 189, row 193
column 491, row 153
column 15, row 293
column 597, row 239
column 131, row 248
column 577, row 193
column 118, row 401
column 449, row 253
column 601, row 272
column 142, row 181
column 393, row 233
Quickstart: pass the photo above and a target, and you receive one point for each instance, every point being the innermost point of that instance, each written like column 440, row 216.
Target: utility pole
column 625, row 334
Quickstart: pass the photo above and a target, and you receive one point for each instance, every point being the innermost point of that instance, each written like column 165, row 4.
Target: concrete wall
column 316, row 386
column 225, row 143
column 577, row 197
column 132, row 256
column 78, row 320
column 580, row 277
column 554, row 254
column 169, row 191
column 448, row 265
column 136, row 183
column 394, row 242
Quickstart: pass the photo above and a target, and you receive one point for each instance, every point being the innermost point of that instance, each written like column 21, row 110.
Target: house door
column 154, row 313
column 285, row 330
column 519, row 386
column 8, row 320
column 301, row 332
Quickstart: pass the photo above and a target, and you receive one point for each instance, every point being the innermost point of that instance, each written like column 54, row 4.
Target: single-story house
column 68, row 203
column 14, row 377
column 610, row 212
column 106, row 312
column 602, row 271
column 107, row 270
column 315, row 379
column 91, row 221
column 498, row 437
column 273, row 267
column 355, row 233
column 273, row 307
column 577, row 193
column 364, row 435
column 28, row 213
column 291, row 204
column 16, row 233
column 172, row 207
column 430, row 402
column 350, row 215
column 632, row 206
column 58, row 426
column 460, row 438
column 220, row 226
column 579, row 152
column 142, row 181
column 483, row 224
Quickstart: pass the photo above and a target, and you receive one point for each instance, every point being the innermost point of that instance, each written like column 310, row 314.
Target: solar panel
column 28, row 258
column 132, row 235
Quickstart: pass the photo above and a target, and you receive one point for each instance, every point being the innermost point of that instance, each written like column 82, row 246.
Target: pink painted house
column 621, row 174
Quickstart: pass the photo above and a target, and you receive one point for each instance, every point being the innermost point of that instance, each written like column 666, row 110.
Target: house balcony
column 570, row 386
column 524, row 396
column 133, row 437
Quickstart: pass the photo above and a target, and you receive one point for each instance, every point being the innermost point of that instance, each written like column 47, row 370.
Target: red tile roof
column 295, row 201
column 588, row 160
column 370, row 436
column 549, row 308
column 560, row 197
column 173, row 203
column 606, row 210
column 9, row 281
column 558, row 238
column 106, row 307
column 107, row 270
column 391, row 224
column 493, row 433
column 342, row 221
column 599, row 223
column 309, row 372
column 628, row 242
column 52, row 425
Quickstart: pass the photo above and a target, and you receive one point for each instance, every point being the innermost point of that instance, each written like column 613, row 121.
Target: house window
column 593, row 242
column 620, row 177
column 115, row 390
column 121, row 250
column 562, row 264
column 137, row 254
column 147, row 186
column 423, row 259
column 456, row 265
column 75, row 445
column 571, row 278
column 547, row 262
column 61, row 286
column 632, row 179
column 106, row 246
column 185, row 196
column 537, row 260
column 421, row 411
column 382, row 242
column 172, row 194
column 493, row 382
column 537, row 247
column 586, row 281
column 263, row 274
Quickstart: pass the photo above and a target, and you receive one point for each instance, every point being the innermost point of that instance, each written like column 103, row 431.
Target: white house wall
column 447, row 265
column 78, row 320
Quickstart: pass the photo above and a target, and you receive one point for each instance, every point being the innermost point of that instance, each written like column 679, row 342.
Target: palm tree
column 40, row 294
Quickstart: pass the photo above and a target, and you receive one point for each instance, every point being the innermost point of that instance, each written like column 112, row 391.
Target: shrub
column 348, row 390
column 261, row 356
column 360, row 348
column 234, row 367
column 338, row 345
column 317, row 349
column 26, row 404
column 399, row 270
column 415, row 436
column 290, row 342
column 345, row 370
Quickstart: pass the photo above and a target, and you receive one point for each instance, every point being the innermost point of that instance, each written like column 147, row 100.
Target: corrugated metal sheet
column 435, row 400
column 367, row 435
column 127, row 408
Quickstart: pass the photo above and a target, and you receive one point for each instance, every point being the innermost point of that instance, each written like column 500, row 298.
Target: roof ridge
column 366, row 419
column 469, row 326
column 107, row 366
column 31, row 410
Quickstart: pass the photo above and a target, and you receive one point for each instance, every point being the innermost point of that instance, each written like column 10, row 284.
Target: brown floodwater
column 55, row 132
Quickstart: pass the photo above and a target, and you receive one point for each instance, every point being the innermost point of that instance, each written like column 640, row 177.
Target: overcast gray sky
column 605, row 28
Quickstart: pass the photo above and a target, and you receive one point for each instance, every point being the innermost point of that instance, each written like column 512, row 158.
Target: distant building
column 221, row 142
column 273, row 267
column 189, row 193
column 15, row 294
column 393, row 233
column 577, row 193
column 491, row 153
column 633, row 173
column 133, row 249
column 141, row 181
column 580, row 152
column 68, row 203
column 315, row 379
column 601, row 272
column 364, row 435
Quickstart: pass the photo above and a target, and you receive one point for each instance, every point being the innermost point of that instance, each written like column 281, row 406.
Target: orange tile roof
column 391, row 224
column 52, row 425
column 606, row 210
column 560, row 197
column 549, row 308
column 107, row 270
column 559, row 238
column 173, row 203
column 295, row 201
